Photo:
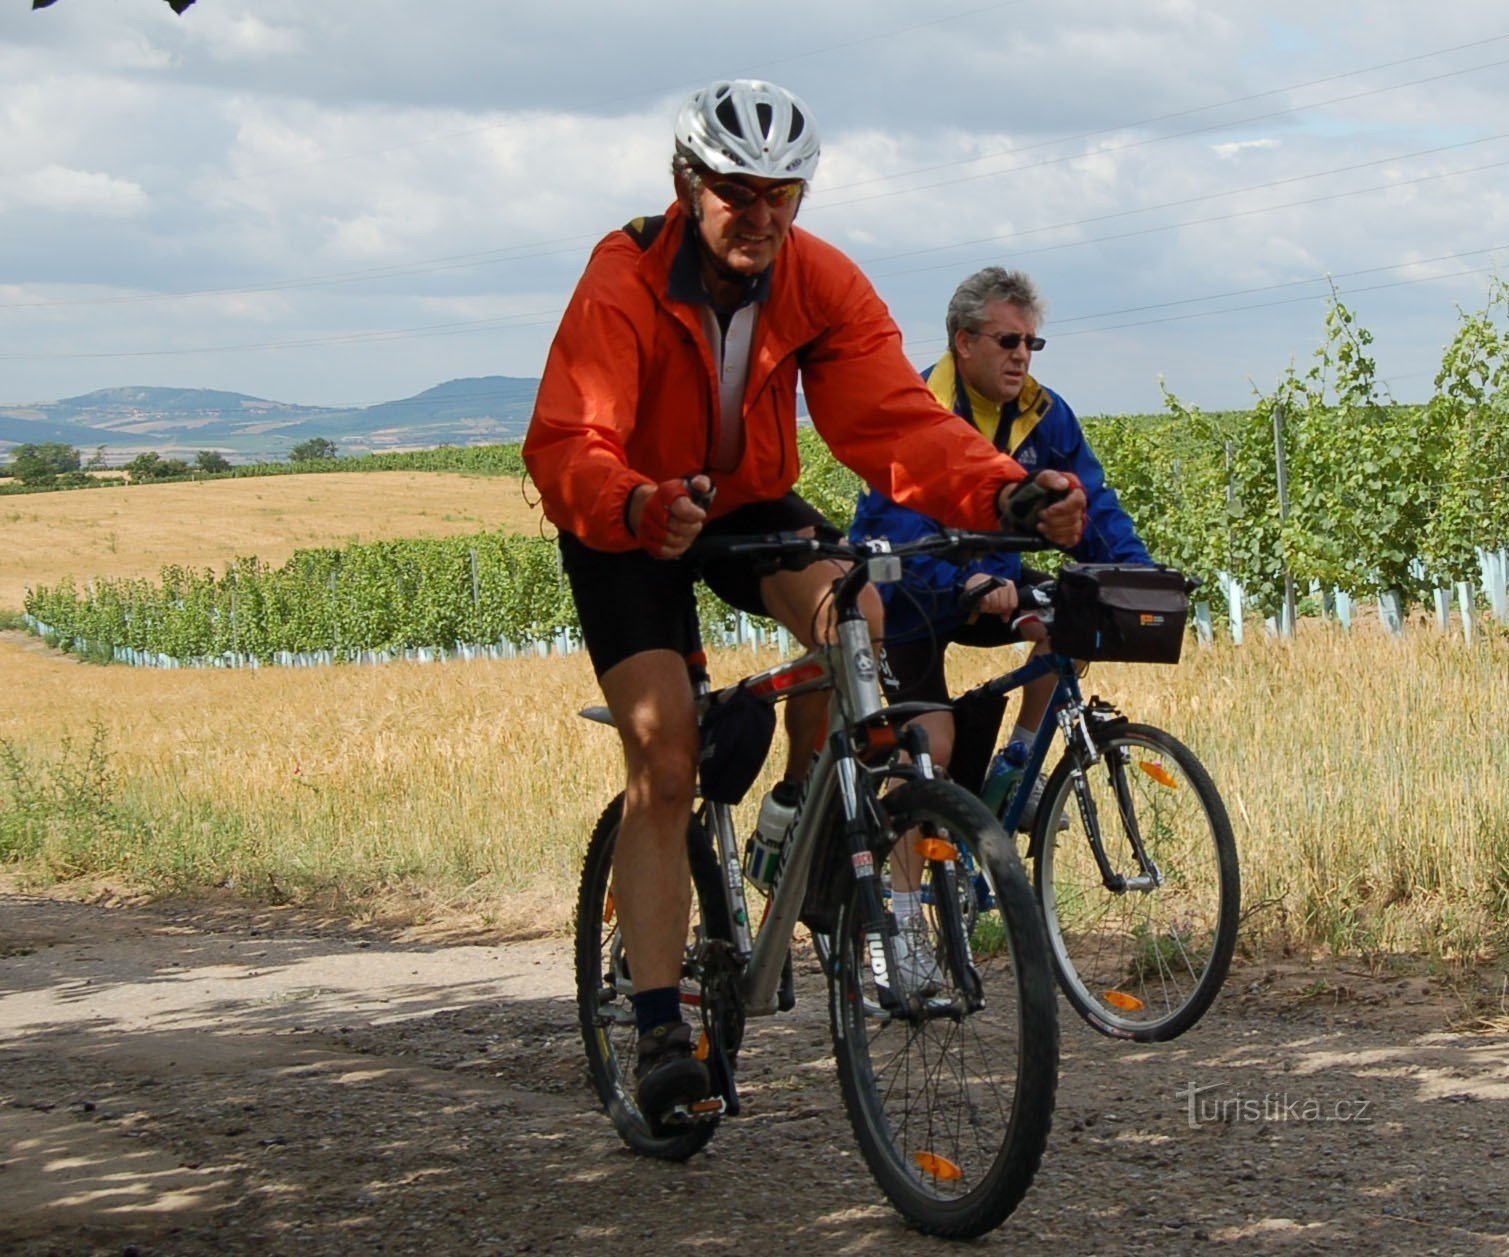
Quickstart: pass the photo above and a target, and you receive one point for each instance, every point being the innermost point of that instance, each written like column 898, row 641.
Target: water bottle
column 1003, row 774
column 762, row 853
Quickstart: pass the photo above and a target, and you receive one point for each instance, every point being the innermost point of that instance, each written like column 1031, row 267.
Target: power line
column 1168, row 117
column 1214, row 218
column 1190, row 200
column 545, row 248
column 1158, row 139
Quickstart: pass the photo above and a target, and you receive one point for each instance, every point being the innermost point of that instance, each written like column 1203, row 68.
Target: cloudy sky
column 349, row 202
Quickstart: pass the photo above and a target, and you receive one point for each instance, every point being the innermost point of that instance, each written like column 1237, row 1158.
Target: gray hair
column 966, row 309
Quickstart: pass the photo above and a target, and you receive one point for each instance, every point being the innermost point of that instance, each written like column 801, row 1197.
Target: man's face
column 741, row 228
column 991, row 370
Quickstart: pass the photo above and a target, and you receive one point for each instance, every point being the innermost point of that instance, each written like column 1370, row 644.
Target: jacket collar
column 1018, row 418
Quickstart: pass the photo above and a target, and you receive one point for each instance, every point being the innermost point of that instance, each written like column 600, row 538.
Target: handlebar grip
column 1026, row 504
column 701, row 500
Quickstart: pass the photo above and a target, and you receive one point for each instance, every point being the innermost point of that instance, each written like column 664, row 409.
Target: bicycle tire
column 1141, row 964
column 952, row 1113
column 603, row 986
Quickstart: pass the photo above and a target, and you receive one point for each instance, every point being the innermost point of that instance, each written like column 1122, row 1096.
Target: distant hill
column 177, row 422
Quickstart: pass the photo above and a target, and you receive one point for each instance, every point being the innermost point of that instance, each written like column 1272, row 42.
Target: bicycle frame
column 1067, row 709
column 847, row 668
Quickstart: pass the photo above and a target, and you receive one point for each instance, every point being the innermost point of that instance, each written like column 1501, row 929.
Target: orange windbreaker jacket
column 629, row 395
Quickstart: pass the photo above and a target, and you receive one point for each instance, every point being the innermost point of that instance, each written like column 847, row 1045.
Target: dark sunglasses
column 741, row 196
column 1010, row 340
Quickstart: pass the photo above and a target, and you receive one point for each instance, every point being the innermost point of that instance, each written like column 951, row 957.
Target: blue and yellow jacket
column 1041, row 432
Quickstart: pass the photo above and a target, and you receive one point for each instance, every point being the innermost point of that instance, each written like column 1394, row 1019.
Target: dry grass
column 462, row 782
column 1367, row 775
column 1366, row 778
column 135, row 530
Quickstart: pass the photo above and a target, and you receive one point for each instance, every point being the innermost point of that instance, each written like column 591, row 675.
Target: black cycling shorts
column 917, row 664
column 628, row 602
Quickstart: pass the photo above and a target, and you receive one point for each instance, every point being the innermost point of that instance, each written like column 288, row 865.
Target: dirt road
column 200, row 1080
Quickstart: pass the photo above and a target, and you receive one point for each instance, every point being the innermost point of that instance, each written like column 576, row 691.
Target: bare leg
column 1036, row 695
column 651, row 701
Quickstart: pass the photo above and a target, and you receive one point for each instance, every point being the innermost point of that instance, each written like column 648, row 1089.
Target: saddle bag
column 1120, row 613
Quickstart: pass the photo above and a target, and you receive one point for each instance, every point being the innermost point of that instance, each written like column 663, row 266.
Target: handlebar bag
column 1120, row 613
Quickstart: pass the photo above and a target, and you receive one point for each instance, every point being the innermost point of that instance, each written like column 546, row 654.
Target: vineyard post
column 1443, row 609
column 1203, row 631
column 1234, row 607
column 1286, row 618
column 1464, row 600
column 1496, row 581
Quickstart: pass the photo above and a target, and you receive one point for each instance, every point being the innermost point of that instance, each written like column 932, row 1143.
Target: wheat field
column 136, row 530
column 1367, row 775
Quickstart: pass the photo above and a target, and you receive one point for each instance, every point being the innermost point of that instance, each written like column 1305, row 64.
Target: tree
column 42, row 464
column 211, row 461
column 153, row 466
column 316, row 449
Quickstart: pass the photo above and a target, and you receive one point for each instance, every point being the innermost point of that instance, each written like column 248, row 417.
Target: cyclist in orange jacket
column 668, row 408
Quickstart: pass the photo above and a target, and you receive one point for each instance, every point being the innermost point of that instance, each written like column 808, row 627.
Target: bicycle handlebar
column 792, row 550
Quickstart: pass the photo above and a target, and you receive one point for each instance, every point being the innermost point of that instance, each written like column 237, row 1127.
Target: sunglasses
column 1010, row 340
column 740, row 196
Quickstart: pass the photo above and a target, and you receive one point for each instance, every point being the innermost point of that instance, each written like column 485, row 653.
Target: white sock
column 1022, row 734
column 906, row 904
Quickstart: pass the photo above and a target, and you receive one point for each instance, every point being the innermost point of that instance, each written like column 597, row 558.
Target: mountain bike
column 948, row 1083
column 1134, row 862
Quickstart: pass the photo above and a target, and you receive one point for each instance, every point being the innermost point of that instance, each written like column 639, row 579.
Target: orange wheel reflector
column 713, row 1105
column 1120, row 999
column 704, row 1048
column 1158, row 773
column 939, row 1167
column 608, row 907
column 936, row 849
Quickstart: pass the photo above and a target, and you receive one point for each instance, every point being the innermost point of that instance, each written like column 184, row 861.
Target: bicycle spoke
column 943, row 1090
column 1142, row 960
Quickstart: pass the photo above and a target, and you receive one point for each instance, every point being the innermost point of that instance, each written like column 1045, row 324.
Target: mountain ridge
column 178, row 422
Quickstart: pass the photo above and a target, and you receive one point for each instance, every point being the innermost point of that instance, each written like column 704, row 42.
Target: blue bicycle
column 1135, row 866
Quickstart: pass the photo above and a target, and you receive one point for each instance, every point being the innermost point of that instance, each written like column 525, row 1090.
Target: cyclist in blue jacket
column 984, row 378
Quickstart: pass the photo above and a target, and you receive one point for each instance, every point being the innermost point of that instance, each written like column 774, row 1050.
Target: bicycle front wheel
column 604, row 985
column 950, row 1092
column 1141, row 954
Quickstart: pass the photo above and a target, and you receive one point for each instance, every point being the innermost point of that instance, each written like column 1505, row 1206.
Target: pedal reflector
column 1158, row 773
column 704, row 1048
column 941, row 1168
column 1120, row 999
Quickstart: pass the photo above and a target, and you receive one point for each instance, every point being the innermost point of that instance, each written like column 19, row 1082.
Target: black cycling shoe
column 668, row 1077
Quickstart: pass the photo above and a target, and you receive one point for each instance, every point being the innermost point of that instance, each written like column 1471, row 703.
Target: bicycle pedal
column 706, row 1110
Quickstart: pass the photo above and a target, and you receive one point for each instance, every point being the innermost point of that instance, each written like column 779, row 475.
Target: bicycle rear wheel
column 1146, row 961
column 950, row 1101
column 604, row 985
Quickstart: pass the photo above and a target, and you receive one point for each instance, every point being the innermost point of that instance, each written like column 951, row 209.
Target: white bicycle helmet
column 748, row 127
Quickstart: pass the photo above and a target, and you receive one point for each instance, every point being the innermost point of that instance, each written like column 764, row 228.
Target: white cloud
column 394, row 166
column 57, row 188
column 1242, row 146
